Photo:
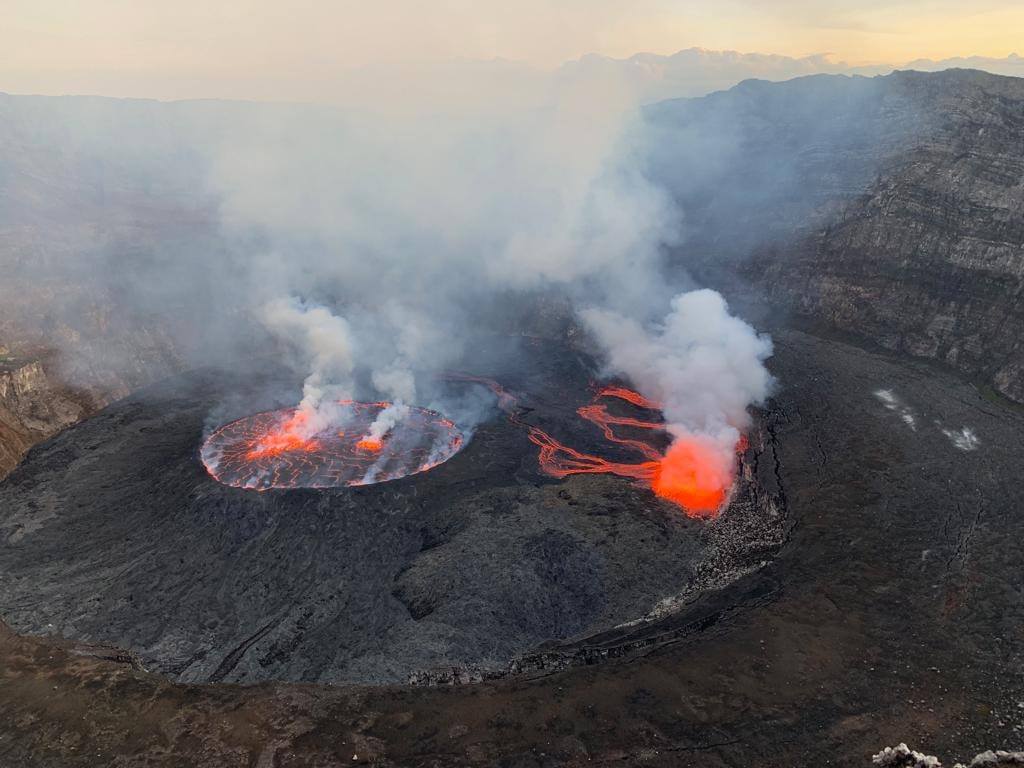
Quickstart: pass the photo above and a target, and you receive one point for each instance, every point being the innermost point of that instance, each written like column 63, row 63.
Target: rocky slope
column 88, row 188
column 37, row 401
column 892, row 208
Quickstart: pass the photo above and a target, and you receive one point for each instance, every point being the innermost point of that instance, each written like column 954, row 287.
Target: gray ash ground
column 115, row 534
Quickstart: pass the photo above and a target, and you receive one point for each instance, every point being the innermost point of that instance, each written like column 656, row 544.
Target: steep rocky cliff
column 892, row 208
column 929, row 260
column 32, row 408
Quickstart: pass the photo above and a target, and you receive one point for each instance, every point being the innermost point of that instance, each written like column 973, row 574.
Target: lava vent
column 273, row 450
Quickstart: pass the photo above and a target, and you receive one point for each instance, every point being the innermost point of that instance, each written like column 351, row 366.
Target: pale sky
column 262, row 48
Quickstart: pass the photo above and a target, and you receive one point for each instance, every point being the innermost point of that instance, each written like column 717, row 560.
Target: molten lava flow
column 274, row 449
column 560, row 460
column 598, row 414
column 371, row 444
column 692, row 473
column 289, row 437
column 630, row 397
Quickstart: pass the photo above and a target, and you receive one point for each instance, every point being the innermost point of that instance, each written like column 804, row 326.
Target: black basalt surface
column 114, row 533
column 891, row 613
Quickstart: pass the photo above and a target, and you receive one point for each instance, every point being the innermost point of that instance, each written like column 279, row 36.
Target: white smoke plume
column 324, row 341
column 702, row 364
column 413, row 230
column 375, row 245
column 386, row 420
column 440, row 232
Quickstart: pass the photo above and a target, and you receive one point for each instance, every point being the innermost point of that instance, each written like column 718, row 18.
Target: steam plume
column 703, row 365
column 414, row 237
column 324, row 342
column 375, row 245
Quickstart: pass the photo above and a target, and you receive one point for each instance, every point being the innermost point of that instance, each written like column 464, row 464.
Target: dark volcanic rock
column 115, row 534
column 891, row 612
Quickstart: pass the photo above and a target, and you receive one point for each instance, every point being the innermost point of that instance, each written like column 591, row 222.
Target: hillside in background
column 890, row 208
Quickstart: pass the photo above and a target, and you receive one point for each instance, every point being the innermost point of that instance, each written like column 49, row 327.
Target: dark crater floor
column 114, row 534
column 892, row 611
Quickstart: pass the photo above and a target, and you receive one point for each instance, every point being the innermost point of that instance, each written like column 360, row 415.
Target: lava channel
column 691, row 473
column 269, row 450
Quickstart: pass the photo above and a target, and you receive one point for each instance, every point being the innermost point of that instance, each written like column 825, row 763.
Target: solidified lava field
column 886, row 609
column 481, row 566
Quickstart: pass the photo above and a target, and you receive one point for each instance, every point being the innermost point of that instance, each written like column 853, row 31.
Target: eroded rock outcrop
column 902, row 756
column 32, row 408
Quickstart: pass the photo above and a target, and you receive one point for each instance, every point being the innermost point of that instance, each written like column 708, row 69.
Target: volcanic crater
column 481, row 566
column 271, row 449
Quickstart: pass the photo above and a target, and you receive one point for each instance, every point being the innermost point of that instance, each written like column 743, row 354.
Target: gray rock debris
column 902, row 756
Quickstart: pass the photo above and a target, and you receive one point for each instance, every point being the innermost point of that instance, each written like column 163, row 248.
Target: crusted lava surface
column 482, row 566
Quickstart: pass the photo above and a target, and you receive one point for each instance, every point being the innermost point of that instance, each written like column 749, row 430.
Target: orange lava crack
column 689, row 474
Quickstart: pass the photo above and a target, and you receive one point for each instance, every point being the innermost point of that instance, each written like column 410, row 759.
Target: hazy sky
column 255, row 48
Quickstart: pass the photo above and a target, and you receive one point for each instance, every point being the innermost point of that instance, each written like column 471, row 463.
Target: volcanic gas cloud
column 696, row 373
column 276, row 450
column 704, row 367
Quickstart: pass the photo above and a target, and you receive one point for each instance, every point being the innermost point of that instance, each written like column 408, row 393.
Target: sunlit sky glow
column 255, row 48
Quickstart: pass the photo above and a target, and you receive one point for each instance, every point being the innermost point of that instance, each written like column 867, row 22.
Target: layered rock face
column 32, row 408
column 930, row 259
column 892, row 208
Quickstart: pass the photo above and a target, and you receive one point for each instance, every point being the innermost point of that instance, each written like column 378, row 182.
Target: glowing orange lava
column 271, row 450
column 630, row 397
column 691, row 473
column 287, row 438
column 598, row 414
column 371, row 444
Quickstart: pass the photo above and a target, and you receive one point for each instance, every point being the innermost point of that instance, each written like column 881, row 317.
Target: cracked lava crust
column 266, row 450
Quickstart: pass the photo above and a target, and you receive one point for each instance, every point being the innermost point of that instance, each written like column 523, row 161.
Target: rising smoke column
column 326, row 344
column 421, row 237
column 323, row 342
column 705, row 367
